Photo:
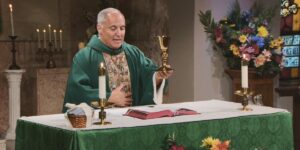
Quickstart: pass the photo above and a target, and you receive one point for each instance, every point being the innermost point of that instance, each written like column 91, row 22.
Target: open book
column 151, row 114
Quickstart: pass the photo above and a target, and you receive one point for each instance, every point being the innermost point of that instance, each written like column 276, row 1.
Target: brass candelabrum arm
column 246, row 96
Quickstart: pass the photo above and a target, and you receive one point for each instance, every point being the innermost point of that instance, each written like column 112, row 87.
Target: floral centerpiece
column 215, row 144
column 209, row 143
column 245, row 35
column 172, row 143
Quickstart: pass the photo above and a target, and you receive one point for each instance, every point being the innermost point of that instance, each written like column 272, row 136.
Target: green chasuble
column 82, row 85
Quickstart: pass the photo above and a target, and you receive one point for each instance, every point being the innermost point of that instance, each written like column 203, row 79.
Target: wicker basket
column 77, row 121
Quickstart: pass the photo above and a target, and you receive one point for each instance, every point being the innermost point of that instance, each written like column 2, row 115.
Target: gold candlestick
column 102, row 112
column 163, row 43
column 102, row 103
column 246, row 96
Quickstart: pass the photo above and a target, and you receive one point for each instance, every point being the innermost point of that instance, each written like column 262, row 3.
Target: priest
column 131, row 78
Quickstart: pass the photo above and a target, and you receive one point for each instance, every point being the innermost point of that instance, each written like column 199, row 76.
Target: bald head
column 111, row 27
column 103, row 14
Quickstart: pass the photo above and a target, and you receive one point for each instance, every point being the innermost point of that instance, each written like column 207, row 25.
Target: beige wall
column 181, row 50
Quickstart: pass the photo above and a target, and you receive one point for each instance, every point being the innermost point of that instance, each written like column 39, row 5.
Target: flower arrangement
column 215, row 144
column 246, row 35
column 172, row 144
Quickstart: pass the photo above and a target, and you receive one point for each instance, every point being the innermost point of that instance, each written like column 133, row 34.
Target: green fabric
column 267, row 132
column 98, row 45
column 82, row 85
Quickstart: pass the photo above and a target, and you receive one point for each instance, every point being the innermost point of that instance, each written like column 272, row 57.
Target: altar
column 262, row 128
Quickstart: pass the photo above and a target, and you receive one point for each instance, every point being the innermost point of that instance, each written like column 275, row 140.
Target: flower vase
column 258, row 84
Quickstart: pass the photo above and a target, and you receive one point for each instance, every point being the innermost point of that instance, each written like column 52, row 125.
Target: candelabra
column 49, row 52
column 14, row 65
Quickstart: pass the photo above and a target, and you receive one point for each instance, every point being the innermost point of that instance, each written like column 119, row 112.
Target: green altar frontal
column 261, row 132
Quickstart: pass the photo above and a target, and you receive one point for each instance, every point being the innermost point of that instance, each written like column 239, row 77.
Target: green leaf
column 207, row 21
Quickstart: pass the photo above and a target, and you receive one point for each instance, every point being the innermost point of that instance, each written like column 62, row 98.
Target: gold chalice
column 164, row 43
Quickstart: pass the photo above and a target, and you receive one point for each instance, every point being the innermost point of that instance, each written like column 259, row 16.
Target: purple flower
column 258, row 40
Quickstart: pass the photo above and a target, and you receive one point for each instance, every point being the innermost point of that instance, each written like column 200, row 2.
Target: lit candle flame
column 10, row 7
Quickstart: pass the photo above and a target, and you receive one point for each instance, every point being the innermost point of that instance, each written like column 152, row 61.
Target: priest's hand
column 160, row 75
column 120, row 98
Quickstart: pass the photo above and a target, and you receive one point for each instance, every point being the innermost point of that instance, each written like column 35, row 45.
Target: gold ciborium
column 164, row 43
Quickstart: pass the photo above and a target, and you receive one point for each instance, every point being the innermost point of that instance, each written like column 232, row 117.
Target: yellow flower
column 236, row 52
column 207, row 142
column 233, row 47
column 243, row 38
column 273, row 44
column 262, row 31
column 277, row 43
column 211, row 143
column 280, row 40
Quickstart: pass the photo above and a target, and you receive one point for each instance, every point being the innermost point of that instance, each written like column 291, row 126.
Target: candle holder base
column 101, row 104
column 102, row 123
column 51, row 64
column 246, row 109
column 14, row 67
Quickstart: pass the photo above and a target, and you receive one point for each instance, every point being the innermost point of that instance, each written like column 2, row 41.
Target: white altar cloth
column 209, row 110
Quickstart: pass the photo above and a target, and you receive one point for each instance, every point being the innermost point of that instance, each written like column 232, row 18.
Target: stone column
column 14, row 83
column 2, row 144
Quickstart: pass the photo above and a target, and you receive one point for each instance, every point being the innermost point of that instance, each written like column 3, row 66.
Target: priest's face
column 112, row 30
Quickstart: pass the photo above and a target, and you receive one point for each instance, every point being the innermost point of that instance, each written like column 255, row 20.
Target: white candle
column 102, row 82
column 49, row 26
column 38, row 38
column 44, row 31
column 60, row 38
column 244, row 76
column 11, row 20
column 55, row 42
